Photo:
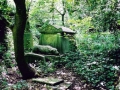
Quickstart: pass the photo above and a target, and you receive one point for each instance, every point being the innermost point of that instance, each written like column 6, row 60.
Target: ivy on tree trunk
column 18, row 34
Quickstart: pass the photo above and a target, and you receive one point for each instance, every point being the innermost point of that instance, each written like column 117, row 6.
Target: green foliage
column 3, row 81
column 38, row 13
column 93, row 62
column 21, row 85
column 97, row 71
column 7, row 11
column 81, row 25
column 8, row 59
column 6, row 56
column 2, row 49
column 68, row 59
column 45, row 67
column 96, row 43
column 105, row 14
column 3, row 6
column 96, row 61
column 118, row 22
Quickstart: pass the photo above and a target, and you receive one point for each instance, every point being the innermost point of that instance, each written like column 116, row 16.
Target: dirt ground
column 13, row 77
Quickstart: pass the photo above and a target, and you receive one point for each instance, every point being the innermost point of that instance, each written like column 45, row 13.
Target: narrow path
column 67, row 75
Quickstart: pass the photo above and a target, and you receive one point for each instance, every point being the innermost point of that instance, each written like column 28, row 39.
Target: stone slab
column 48, row 80
column 63, row 86
column 31, row 57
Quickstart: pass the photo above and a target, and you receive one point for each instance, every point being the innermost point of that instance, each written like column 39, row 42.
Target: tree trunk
column 18, row 32
column 3, row 43
column 63, row 19
column 53, row 13
column 64, row 11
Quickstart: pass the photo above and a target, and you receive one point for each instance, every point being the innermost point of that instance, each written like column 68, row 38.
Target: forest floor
column 13, row 77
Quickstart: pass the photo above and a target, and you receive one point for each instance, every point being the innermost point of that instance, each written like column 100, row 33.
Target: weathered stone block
column 45, row 49
column 48, row 80
column 31, row 57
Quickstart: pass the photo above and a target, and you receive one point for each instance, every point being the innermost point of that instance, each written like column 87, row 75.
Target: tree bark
column 63, row 19
column 3, row 43
column 18, row 34
column 53, row 13
column 64, row 11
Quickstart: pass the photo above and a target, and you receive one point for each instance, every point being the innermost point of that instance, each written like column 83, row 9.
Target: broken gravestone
column 48, row 80
column 54, row 83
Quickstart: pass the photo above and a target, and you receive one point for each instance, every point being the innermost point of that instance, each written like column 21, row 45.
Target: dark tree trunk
column 3, row 43
column 64, row 11
column 63, row 19
column 53, row 13
column 18, row 33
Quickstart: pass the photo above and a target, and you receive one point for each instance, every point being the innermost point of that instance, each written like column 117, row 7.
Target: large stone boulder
column 45, row 49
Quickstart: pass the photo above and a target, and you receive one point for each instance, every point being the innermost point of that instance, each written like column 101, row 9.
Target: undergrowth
column 95, row 60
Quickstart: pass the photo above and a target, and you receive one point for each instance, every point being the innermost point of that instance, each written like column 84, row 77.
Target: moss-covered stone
column 53, row 40
column 45, row 49
column 28, row 41
column 49, row 29
column 56, row 40
column 52, row 57
column 31, row 57
column 48, row 80
column 58, row 37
